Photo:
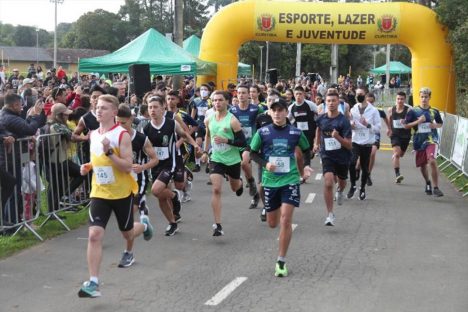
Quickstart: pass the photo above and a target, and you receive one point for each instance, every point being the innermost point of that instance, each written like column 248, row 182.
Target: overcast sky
column 41, row 13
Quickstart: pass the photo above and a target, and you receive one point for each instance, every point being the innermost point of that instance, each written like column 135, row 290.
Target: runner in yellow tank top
column 113, row 188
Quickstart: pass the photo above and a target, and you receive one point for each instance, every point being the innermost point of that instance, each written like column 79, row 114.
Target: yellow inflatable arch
column 412, row 25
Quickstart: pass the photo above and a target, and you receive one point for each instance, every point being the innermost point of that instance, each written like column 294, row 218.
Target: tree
column 218, row 4
column 25, row 36
column 195, row 17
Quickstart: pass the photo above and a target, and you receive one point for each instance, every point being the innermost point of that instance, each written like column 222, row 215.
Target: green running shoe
column 148, row 234
column 89, row 290
column 281, row 272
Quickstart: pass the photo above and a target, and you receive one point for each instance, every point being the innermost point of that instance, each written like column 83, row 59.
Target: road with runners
column 399, row 250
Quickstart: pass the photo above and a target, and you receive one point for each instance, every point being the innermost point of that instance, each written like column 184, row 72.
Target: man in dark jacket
column 10, row 158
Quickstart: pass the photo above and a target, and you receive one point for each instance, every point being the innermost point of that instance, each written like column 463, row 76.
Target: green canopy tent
column 192, row 45
column 151, row 47
column 395, row 68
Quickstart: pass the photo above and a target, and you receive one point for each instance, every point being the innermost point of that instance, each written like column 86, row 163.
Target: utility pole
column 387, row 68
column 37, row 47
column 178, row 35
column 298, row 59
column 334, row 64
column 55, row 30
column 266, row 59
column 261, row 64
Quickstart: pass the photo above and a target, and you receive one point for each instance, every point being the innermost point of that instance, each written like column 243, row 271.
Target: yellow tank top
column 108, row 181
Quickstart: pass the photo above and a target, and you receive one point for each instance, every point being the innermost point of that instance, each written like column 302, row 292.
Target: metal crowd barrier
column 43, row 174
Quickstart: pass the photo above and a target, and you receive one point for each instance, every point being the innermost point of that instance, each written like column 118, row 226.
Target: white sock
column 94, row 279
column 197, row 161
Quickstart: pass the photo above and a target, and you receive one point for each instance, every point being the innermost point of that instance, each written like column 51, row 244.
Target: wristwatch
column 110, row 152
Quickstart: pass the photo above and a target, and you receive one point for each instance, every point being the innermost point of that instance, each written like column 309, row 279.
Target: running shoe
column 196, row 169
column 188, row 191
column 351, row 192
column 339, row 198
column 281, row 270
column 330, row 220
column 263, row 216
column 399, row 178
column 369, row 180
column 428, row 188
column 254, row 202
column 89, row 290
column 177, row 218
column 171, row 229
column 218, row 230
column 252, row 187
column 241, row 190
column 437, row 192
column 362, row 194
column 148, row 233
column 127, row 260
column 186, row 197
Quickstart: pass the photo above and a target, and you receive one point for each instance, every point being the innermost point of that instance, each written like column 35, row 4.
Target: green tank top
column 223, row 153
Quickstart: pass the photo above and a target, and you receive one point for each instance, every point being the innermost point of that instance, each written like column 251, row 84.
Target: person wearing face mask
column 199, row 106
column 365, row 124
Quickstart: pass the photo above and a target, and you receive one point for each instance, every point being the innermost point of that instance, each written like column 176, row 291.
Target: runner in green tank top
column 224, row 134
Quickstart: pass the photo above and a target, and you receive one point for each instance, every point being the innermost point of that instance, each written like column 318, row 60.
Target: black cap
column 279, row 103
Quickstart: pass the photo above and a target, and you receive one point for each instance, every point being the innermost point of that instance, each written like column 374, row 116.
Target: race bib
column 281, row 163
column 247, row 132
column 424, row 127
column 202, row 110
column 331, row 144
column 221, row 147
column 303, row 125
column 397, row 124
column 362, row 134
column 162, row 152
column 104, row 175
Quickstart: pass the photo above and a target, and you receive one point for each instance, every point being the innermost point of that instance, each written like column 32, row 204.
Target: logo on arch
column 387, row 23
column 266, row 22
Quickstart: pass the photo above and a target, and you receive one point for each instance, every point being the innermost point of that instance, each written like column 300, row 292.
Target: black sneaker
column 254, row 202
column 207, row 169
column 428, row 188
column 351, row 192
column 177, row 218
column 241, row 190
column 369, row 181
column 437, row 192
column 263, row 215
column 171, row 229
column 218, row 230
column 196, row 169
column 362, row 194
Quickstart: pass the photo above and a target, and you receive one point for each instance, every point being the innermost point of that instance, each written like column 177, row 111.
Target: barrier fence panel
column 19, row 186
column 59, row 165
column 448, row 137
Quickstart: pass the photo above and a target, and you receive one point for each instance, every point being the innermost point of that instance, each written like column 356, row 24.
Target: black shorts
column 377, row 143
column 179, row 173
column 100, row 210
column 401, row 142
column 163, row 174
column 276, row 196
column 233, row 171
column 340, row 170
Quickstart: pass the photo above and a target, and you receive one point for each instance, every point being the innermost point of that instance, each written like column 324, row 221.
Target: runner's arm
column 153, row 158
column 124, row 161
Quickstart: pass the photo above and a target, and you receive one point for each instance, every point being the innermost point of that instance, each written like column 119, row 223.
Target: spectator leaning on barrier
column 62, row 174
column 18, row 128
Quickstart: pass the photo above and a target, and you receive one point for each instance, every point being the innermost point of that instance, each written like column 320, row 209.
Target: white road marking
column 226, row 291
column 318, row 176
column 310, row 198
column 82, row 238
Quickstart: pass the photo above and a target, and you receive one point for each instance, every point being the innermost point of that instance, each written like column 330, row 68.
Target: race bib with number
column 362, row 134
column 303, row 125
column 397, row 124
column 104, row 175
column 247, row 132
column 331, row 144
column 202, row 110
column 162, row 152
column 221, row 147
column 281, row 163
column 424, row 127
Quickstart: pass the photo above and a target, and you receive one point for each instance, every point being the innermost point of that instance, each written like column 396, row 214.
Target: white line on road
column 226, row 291
column 318, row 176
column 310, row 198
